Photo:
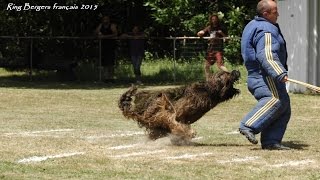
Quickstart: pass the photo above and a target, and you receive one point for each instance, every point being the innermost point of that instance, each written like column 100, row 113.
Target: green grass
column 160, row 71
column 47, row 118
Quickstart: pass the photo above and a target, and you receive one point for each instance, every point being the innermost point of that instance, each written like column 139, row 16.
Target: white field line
column 239, row 160
column 233, row 132
column 40, row 132
column 189, row 156
column 115, row 135
column 43, row 158
column 34, row 133
column 123, row 146
column 197, row 138
column 293, row 163
column 142, row 153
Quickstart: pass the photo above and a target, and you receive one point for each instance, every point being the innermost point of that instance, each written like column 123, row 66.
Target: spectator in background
column 215, row 44
column 108, row 31
column 136, row 48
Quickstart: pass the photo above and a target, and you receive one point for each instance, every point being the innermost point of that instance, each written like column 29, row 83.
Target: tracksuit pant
column 271, row 114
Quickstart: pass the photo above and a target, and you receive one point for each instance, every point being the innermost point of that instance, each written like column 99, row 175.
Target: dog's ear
column 133, row 89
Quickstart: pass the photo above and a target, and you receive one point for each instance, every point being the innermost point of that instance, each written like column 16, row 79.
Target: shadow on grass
column 86, row 76
column 298, row 145
column 295, row 145
column 53, row 82
column 26, row 82
column 219, row 145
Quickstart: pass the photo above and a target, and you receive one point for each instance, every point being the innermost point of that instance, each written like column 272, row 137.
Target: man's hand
column 285, row 79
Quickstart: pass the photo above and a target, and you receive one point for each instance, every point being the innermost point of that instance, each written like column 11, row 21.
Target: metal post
column 100, row 67
column 31, row 61
column 174, row 59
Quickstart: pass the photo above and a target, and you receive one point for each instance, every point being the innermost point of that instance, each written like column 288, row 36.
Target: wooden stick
column 312, row 87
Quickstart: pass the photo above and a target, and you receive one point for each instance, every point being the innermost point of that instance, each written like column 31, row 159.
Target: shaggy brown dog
column 171, row 111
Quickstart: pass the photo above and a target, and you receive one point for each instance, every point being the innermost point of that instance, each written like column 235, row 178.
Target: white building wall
column 299, row 23
column 314, row 44
column 293, row 21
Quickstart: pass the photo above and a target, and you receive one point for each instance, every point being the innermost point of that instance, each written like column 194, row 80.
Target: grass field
column 75, row 131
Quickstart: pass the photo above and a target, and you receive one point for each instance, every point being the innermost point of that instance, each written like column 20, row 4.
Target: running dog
column 172, row 111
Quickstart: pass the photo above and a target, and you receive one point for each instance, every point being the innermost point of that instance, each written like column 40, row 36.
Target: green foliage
column 162, row 18
column 235, row 19
column 182, row 17
column 164, row 70
column 171, row 13
column 232, row 50
column 48, row 22
column 194, row 24
column 154, row 71
column 187, row 17
column 185, row 20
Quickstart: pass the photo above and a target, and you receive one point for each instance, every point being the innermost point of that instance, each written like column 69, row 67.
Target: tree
column 162, row 18
column 186, row 17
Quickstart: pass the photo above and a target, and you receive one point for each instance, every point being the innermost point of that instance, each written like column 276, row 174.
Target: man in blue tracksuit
column 264, row 52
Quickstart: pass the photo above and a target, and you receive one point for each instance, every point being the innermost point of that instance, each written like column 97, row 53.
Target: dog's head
column 222, row 83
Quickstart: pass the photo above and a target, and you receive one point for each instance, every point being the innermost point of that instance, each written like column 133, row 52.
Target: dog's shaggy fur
column 171, row 111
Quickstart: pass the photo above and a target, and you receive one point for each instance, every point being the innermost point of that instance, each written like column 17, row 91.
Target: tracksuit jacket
column 264, row 52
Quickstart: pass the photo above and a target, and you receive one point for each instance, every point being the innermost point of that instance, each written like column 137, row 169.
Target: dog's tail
column 125, row 103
